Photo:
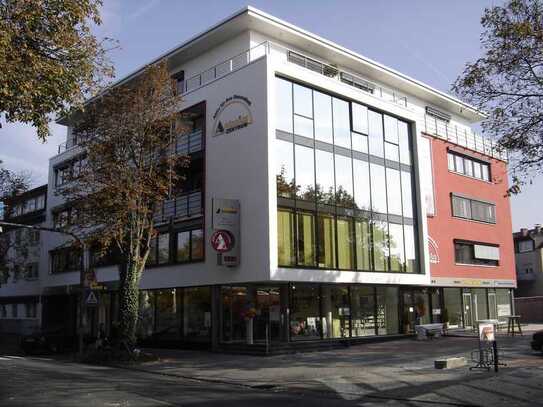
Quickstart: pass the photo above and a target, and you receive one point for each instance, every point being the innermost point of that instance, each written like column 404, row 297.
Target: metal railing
column 182, row 206
column 223, row 68
column 463, row 136
column 188, row 143
column 390, row 95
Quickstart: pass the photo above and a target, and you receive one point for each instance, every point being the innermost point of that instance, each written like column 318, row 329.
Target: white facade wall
column 240, row 166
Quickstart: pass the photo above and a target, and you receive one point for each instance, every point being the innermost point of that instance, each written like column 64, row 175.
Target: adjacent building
column 329, row 198
column 20, row 266
column 529, row 261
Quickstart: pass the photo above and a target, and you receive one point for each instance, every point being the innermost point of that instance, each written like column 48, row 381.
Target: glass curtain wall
column 344, row 184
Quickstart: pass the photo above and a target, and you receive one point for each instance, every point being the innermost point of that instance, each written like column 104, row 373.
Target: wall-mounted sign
column 233, row 113
column 225, row 238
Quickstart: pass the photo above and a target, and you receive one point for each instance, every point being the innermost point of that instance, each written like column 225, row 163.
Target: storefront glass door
column 268, row 314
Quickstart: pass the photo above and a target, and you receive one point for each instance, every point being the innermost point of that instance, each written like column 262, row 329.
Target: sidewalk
column 397, row 370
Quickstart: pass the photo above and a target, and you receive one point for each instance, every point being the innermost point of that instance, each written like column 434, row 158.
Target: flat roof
column 252, row 18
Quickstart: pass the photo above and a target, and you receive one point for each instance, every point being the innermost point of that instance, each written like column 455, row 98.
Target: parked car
column 46, row 342
column 537, row 341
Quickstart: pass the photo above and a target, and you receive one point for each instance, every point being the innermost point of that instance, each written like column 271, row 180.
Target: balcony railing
column 463, row 136
column 182, row 206
column 188, row 143
column 223, row 68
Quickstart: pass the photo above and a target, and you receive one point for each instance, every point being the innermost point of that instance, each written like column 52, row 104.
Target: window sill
column 470, row 177
column 476, row 265
column 474, row 221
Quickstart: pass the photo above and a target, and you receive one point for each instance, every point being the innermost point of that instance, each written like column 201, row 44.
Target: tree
column 507, row 81
column 127, row 170
column 13, row 183
column 49, row 58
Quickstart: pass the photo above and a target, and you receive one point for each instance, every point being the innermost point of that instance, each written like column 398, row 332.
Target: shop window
column 452, row 314
column 168, row 317
column 304, row 312
column 197, row 314
column 336, row 311
column 30, row 310
column 387, row 311
column 363, row 311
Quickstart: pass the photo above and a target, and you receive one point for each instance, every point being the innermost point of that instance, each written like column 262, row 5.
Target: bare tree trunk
column 128, row 302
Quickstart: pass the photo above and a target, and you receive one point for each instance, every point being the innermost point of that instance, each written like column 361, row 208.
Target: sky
column 426, row 39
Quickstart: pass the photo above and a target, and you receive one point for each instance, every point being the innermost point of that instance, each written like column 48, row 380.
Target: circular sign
column 222, row 241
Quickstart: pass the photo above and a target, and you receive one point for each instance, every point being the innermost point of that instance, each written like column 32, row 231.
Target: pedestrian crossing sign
column 92, row 299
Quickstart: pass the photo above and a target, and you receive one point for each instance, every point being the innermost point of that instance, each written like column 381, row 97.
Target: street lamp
column 83, row 268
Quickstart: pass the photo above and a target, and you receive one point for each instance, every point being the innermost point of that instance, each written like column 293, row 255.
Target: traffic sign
column 91, row 300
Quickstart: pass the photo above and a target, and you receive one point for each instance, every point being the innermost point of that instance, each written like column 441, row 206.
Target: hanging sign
column 225, row 238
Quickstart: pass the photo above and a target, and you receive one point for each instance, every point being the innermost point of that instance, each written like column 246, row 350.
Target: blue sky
column 426, row 39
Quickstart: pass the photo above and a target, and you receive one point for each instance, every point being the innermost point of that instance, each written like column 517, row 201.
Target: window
column 284, row 168
column 305, row 321
column 525, row 246
column 472, row 209
column 30, row 310
column 375, row 133
column 468, row 166
column 327, row 194
column 476, row 253
column 323, row 117
column 283, row 110
column 342, row 124
column 14, row 310
column 65, row 217
column 31, row 271
column 3, row 311
column 65, row 260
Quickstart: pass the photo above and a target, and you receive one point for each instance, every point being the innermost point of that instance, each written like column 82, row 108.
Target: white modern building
column 318, row 155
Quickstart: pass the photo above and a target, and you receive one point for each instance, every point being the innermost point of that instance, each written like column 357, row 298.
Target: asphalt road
column 26, row 381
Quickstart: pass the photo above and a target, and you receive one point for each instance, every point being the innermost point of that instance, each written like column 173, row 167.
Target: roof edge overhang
column 261, row 21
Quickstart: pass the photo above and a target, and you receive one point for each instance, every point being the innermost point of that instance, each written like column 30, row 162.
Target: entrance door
column 268, row 314
column 468, row 312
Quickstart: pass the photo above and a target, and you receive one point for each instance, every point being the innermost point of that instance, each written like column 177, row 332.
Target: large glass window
column 168, row 316
column 323, row 117
column 325, row 177
column 303, row 101
column 321, row 184
column 378, row 188
column 375, row 133
column 306, row 239
column 284, row 168
column 397, row 258
column 387, row 311
column 473, row 209
column 283, row 105
column 305, row 312
column 361, row 185
column 476, row 253
column 336, row 311
column 380, row 245
column 197, row 314
column 363, row 311
column 363, row 244
column 360, row 119
column 394, row 192
column 327, row 244
column 345, row 240
column 452, row 315
column 305, row 173
column 344, row 181
column 342, row 123
column 285, row 237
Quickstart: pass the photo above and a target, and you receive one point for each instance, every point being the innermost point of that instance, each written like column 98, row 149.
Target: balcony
column 223, row 68
column 463, row 136
column 188, row 143
column 181, row 207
